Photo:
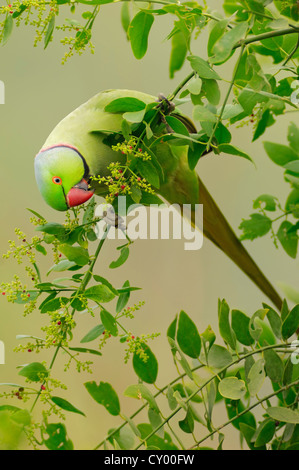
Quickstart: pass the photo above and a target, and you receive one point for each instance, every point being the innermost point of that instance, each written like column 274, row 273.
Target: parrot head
column 62, row 177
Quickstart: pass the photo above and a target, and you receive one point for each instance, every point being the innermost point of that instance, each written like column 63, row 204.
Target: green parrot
column 76, row 150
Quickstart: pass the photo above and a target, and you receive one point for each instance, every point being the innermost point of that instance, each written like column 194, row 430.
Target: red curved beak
column 79, row 194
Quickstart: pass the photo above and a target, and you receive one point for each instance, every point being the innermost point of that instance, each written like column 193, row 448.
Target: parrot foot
column 167, row 107
column 165, row 103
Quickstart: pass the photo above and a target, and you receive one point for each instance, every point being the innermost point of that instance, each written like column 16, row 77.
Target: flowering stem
column 81, row 289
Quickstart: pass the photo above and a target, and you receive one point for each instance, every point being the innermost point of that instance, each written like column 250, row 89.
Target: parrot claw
column 170, row 106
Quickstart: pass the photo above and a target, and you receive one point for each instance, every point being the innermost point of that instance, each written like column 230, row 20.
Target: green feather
column 87, row 127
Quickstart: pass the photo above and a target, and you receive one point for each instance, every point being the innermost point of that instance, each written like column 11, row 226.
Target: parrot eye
column 57, row 180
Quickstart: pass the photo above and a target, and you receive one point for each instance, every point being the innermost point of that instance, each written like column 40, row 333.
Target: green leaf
column 208, row 336
column 280, row 154
column 35, row 372
column 18, row 12
column 36, row 214
column 124, row 254
column 257, row 226
column 223, row 48
column 124, row 105
column 124, row 438
column 63, row 265
column 109, row 322
column 240, row 325
column 30, row 295
column 123, row 298
column 136, row 193
column 274, row 320
column 195, row 154
column 231, row 111
column 231, row 150
column 202, row 68
column 47, row 299
column 76, row 254
column 139, row 30
column 288, row 9
column 105, row 395
column 219, row 357
column 148, row 171
column 125, row 17
column 52, row 229
column 293, row 137
column 265, row 121
column 126, row 130
column 264, row 433
column 156, row 442
column 188, row 337
column 232, row 387
column 176, row 125
column 106, row 283
column 256, row 326
column 216, row 34
column 100, row 294
column 141, row 391
column 292, row 166
column 49, row 32
column 58, row 439
column 7, row 29
column 54, row 304
column 195, row 85
column 85, row 350
column 66, row 405
column 171, row 399
column 288, row 239
column 248, row 433
column 134, row 117
column 93, row 334
column 266, row 202
column 235, row 408
column 292, row 202
column 146, row 368
column 187, row 424
column 203, row 114
column 155, row 420
column 183, row 361
column 273, row 365
column 256, row 377
column 171, row 332
column 21, row 417
column 224, row 325
column 132, row 426
column 41, row 249
column 291, row 323
column 284, row 415
column 179, row 49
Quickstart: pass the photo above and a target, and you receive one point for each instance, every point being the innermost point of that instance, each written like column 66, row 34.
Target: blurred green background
column 39, row 93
